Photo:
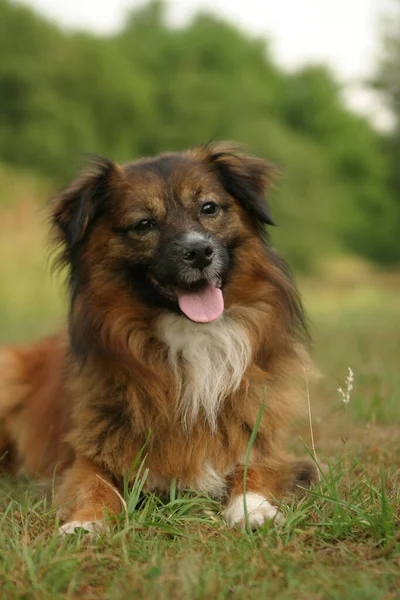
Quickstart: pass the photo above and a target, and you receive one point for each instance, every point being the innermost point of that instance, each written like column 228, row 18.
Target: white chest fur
column 208, row 361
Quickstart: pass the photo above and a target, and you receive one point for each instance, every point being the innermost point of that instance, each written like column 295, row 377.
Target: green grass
column 339, row 541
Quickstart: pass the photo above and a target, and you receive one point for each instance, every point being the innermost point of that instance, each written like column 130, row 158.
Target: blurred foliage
column 151, row 88
column 388, row 82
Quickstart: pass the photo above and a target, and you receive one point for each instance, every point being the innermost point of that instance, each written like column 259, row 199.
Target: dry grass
column 30, row 299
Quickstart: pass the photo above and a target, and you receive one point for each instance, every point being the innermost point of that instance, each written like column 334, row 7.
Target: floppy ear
column 74, row 209
column 244, row 177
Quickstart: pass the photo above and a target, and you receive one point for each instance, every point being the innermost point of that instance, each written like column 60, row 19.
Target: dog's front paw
column 258, row 508
column 93, row 528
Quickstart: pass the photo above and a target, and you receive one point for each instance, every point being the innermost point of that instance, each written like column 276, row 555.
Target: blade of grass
column 247, row 459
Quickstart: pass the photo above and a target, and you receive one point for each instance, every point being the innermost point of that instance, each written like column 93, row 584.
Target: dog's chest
column 208, row 480
column 208, row 362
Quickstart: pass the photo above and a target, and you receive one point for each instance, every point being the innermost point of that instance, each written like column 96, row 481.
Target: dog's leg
column 85, row 498
column 262, row 484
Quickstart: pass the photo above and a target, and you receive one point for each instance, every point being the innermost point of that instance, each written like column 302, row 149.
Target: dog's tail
column 300, row 474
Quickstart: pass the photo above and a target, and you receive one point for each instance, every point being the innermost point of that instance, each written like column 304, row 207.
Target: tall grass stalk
column 346, row 396
column 247, row 460
column 314, row 452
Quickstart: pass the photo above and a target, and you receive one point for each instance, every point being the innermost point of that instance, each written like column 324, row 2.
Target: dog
column 185, row 332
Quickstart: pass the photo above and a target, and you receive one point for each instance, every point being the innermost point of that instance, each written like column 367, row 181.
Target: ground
column 340, row 541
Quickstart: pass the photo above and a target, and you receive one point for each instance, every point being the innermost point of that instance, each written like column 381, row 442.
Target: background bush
column 151, row 88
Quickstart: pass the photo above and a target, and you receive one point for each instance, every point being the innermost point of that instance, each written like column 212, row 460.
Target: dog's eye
column 144, row 225
column 209, row 208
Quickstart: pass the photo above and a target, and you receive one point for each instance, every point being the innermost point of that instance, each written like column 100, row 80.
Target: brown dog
column 181, row 320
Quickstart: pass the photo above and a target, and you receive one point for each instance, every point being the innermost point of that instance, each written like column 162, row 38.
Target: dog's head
column 166, row 228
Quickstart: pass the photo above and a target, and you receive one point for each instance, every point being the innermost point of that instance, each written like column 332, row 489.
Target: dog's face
column 167, row 228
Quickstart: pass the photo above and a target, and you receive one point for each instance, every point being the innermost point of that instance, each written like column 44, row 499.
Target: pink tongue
column 203, row 306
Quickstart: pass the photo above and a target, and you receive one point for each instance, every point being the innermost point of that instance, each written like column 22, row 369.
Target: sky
column 345, row 34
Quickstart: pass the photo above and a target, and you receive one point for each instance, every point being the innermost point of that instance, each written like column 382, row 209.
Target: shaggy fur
column 134, row 370
column 208, row 361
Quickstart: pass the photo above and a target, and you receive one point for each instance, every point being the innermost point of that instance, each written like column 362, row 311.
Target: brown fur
column 88, row 401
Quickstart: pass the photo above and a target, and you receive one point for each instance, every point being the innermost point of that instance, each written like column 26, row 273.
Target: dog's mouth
column 203, row 302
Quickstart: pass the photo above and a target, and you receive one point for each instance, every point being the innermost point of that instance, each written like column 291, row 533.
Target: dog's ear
column 244, row 177
column 75, row 208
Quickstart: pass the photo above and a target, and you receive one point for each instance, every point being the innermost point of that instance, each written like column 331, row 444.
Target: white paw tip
column 92, row 527
column 258, row 508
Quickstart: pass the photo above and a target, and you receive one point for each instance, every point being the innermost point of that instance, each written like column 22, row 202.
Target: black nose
column 198, row 253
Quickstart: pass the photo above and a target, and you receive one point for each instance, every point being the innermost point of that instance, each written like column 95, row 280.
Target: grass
column 339, row 541
column 30, row 299
column 336, row 543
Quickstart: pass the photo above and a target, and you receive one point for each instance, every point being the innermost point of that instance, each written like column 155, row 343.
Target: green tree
column 150, row 88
